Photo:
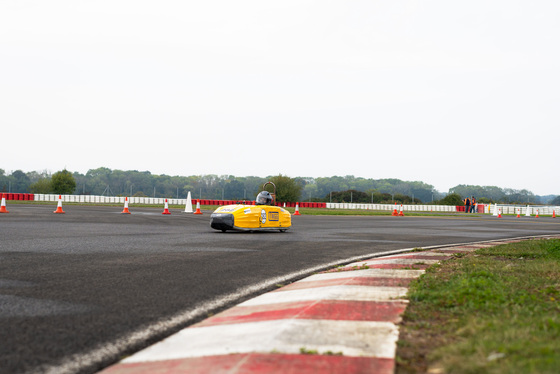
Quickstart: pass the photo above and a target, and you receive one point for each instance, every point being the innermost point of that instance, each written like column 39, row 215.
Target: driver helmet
column 264, row 198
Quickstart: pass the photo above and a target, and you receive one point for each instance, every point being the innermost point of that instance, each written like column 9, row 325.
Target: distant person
column 467, row 204
column 473, row 204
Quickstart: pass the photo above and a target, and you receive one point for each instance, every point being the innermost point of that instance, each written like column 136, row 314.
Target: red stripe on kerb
column 260, row 363
column 326, row 309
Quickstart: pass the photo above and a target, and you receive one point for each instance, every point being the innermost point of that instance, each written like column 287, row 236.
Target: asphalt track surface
column 79, row 291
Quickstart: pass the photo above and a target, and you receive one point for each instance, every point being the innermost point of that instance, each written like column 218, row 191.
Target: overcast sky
column 443, row 92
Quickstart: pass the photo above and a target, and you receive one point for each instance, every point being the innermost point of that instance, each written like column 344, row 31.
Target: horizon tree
column 63, row 182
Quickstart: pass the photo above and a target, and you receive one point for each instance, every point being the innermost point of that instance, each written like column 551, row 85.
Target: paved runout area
column 343, row 320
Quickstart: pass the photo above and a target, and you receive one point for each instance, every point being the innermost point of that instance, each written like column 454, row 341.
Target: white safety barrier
column 94, row 199
column 406, row 208
column 528, row 210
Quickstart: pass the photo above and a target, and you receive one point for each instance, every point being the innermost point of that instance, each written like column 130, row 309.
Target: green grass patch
column 496, row 310
column 305, row 351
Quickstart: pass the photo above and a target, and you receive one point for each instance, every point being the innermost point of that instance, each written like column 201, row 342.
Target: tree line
column 107, row 182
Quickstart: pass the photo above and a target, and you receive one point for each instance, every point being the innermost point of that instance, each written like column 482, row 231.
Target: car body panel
column 251, row 218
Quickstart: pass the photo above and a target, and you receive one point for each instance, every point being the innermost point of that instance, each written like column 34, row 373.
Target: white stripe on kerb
column 352, row 338
column 342, row 292
column 367, row 273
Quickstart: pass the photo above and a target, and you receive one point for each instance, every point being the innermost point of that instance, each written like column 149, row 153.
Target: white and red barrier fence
column 95, row 199
column 391, row 207
column 480, row 208
column 524, row 210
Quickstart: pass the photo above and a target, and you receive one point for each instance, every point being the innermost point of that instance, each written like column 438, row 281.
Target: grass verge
column 496, row 310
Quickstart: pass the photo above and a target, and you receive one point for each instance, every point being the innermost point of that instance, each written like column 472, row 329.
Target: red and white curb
column 340, row 321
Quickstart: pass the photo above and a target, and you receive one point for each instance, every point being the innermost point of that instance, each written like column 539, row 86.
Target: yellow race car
column 263, row 216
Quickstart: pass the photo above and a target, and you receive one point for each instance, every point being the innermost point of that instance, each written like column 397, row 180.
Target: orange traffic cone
column 518, row 213
column 59, row 206
column 500, row 213
column 3, row 206
column 401, row 211
column 166, row 208
column 125, row 210
column 553, row 214
column 297, row 210
column 537, row 216
column 197, row 211
column 395, row 213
